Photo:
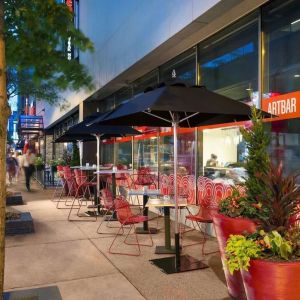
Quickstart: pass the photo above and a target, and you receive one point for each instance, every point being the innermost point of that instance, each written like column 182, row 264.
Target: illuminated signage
column 285, row 106
column 69, row 47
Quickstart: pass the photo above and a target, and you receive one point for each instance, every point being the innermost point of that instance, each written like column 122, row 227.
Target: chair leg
column 203, row 245
column 124, row 253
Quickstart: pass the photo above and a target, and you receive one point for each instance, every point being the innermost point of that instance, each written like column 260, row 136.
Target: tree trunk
column 5, row 112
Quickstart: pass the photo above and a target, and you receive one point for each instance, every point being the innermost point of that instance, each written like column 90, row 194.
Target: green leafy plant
column 237, row 205
column 239, row 251
column 75, row 161
column 39, row 161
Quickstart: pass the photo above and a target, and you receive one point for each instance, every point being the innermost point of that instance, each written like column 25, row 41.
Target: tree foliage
column 36, row 32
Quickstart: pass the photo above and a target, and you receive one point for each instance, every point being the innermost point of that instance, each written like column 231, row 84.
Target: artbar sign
column 286, row 106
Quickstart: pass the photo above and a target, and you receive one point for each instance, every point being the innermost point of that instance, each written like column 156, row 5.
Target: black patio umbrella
column 97, row 132
column 178, row 106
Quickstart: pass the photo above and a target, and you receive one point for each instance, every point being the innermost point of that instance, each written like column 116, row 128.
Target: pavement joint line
column 120, row 271
column 56, row 282
column 45, row 243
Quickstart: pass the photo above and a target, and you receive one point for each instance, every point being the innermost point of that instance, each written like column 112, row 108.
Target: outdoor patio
column 73, row 257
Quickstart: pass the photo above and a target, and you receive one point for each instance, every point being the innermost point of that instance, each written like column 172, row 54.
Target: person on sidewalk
column 11, row 167
column 28, row 165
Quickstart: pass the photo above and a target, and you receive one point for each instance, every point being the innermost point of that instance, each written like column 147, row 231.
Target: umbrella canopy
column 69, row 138
column 193, row 106
column 177, row 106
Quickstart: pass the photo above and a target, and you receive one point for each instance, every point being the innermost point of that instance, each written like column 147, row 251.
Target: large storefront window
column 123, row 153
column 281, row 59
column 228, row 61
column 186, row 154
column 180, row 69
column 285, row 143
column 145, row 153
column 149, row 80
column 223, row 155
column 107, row 153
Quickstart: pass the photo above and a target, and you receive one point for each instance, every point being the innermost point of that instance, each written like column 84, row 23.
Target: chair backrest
column 144, row 177
column 121, row 176
column 107, row 198
column 60, row 171
column 80, row 177
column 123, row 210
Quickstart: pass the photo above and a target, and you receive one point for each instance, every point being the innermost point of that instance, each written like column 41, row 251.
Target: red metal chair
column 143, row 177
column 83, row 186
column 107, row 203
column 127, row 218
column 61, row 187
column 209, row 196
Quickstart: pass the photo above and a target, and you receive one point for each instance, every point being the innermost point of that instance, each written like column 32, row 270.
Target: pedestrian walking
column 11, row 167
column 28, row 165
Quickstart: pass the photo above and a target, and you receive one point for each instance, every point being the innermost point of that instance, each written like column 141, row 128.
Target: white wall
column 123, row 32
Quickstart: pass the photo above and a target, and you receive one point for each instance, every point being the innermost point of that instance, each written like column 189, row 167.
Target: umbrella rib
column 156, row 116
column 188, row 117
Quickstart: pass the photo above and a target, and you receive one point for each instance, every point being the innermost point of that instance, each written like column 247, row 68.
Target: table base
column 187, row 263
column 164, row 250
column 141, row 230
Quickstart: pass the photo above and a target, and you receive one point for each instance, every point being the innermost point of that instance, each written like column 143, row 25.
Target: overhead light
column 297, row 75
column 248, row 89
column 295, row 22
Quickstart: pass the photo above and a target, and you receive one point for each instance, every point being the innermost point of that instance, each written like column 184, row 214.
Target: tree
column 33, row 62
column 75, row 161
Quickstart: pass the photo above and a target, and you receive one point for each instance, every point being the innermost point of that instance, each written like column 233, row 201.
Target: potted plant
column 39, row 163
column 270, row 257
column 239, row 213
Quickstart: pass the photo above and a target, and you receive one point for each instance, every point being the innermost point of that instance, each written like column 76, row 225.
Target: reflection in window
column 285, row 144
column 107, row 153
column 186, row 154
column 228, row 61
column 281, row 27
column 123, row 153
column 145, row 154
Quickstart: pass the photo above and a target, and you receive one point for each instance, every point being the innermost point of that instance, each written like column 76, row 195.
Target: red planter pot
column 272, row 280
column 224, row 226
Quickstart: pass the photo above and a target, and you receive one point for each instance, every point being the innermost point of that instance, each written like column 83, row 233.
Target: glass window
column 145, row 153
column 281, row 59
column 124, row 153
column 149, row 80
column 285, row 144
column 228, row 61
column 107, row 153
column 223, row 155
column 180, row 69
column 186, row 154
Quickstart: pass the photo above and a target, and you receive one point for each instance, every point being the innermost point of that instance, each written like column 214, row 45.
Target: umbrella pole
column 177, row 244
column 98, row 164
column 80, row 152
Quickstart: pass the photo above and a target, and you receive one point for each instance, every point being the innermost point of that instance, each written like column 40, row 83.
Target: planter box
column 14, row 199
column 224, row 226
column 272, row 280
column 20, row 226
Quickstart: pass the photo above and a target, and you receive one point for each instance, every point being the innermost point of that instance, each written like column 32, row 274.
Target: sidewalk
column 72, row 256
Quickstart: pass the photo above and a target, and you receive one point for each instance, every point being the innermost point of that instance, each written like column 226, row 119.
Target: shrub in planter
column 270, row 257
column 239, row 213
column 39, row 164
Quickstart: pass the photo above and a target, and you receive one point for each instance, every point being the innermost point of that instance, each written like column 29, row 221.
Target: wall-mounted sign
column 69, row 47
column 286, row 106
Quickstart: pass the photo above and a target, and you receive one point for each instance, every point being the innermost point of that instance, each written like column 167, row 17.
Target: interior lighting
column 297, row 75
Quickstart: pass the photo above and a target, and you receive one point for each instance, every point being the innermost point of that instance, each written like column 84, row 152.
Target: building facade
column 246, row 50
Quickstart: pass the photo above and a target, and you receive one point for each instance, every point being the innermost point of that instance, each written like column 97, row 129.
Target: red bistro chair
column 143, row 177
column 127, row 218
column 107, row 203
column 61, row 187
column 209, row 196
column 83, row 187
column 70, row 186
